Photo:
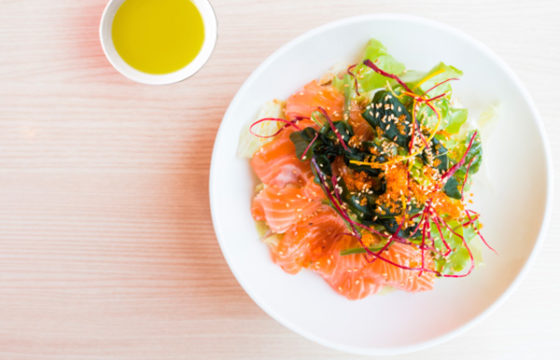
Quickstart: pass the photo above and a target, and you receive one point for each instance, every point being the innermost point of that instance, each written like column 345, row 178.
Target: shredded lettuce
column 453, row 118
column 248, row 143
column 487, row 120
column 262, row 228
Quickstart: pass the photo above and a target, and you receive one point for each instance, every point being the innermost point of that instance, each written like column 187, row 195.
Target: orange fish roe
column 370, row 239
column 356, row 181
column 401, row 125
column 443, row 204
column 362, row 129
column 397, row 182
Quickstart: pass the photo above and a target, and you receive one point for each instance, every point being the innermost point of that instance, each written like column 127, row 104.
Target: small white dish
column 515, row 205
column 210, row 36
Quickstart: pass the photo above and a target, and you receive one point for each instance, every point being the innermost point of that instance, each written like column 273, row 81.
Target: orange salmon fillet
column 407, row 280
column 308, row 241
column 283, row 207
column 349, row 275
column 276, row 163
column 312, row 96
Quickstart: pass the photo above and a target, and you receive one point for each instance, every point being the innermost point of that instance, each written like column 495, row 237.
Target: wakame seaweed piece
column 323, row 149
column 475, row 151
column 412, row 207
column 356, row 155
column 324, row 143
column 302, row 139
column 361, row 205
column 440, row 160
column 383, row 212
column 454, row 184
column 325, row 152
column 390, row 116
column 452, row 187
column 344, row 129
column 324, row 162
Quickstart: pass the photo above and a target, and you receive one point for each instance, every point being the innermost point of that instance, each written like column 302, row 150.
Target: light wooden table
column 106, row 245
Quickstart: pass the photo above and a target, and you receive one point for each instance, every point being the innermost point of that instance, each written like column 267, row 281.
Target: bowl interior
column 511, row 194
column 105, row 34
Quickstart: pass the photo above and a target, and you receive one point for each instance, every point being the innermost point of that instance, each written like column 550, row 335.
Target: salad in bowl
column 364, row 177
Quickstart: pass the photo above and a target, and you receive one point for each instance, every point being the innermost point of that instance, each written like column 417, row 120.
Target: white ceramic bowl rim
column 544, row 224
column 210, row 37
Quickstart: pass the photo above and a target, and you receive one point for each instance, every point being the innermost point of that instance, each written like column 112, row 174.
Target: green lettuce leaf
column 369, row 80
column 453, row 186
column 452, row 119
column 459, row 260
column 439, row 73
column 377, row 53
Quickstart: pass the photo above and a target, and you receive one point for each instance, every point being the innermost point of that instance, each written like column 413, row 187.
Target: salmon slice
column 355, row 277
column 283, row 207
column 257, row 211
column 408, row 280
column 313, row 96
column 308, row 240
column 276, row 163
column 349, row 275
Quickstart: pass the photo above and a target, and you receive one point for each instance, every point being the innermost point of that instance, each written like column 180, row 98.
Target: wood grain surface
column 106, row 245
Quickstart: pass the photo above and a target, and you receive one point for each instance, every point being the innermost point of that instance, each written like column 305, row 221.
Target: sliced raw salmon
column 348, row 275
column 283, row 207
column 257, row 211
column 276, row 163
column 308, row 240
column 313, row 96
column 408, row 280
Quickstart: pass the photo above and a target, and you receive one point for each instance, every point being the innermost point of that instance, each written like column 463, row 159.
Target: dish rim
column 536, row 118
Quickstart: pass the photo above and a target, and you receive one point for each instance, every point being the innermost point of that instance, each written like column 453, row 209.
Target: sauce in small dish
column 158, row 36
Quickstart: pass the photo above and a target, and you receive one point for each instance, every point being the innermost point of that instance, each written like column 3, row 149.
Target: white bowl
column 210, row 35
column 514, row 205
